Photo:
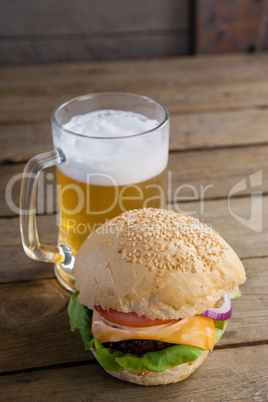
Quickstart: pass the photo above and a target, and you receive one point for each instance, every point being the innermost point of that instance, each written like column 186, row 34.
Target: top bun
column 156, row 263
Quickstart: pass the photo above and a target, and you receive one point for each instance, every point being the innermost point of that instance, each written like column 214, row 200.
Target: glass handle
column 28, row 227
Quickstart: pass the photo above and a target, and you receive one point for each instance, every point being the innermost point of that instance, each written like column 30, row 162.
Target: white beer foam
column 110, row 160
column 110, row 123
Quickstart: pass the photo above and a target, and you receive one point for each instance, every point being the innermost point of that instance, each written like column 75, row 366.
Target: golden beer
column 111, row 154
column 84, row 207
column 102, row 144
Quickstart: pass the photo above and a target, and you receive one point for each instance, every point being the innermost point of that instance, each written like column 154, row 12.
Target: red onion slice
column 221, row 313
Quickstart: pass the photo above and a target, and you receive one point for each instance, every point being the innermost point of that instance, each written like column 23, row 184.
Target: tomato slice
column 129, row 319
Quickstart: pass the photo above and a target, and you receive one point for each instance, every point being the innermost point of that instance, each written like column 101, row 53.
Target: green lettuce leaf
column 114, row 360
column 80, row 318
column 161, row 360
column 220, row 328
column 234, row 293
column 107, row 356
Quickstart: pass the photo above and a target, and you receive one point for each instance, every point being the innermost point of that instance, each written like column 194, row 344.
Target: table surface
column 219, row 137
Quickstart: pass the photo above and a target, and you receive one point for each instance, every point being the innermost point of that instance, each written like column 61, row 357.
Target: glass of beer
column 111, row 155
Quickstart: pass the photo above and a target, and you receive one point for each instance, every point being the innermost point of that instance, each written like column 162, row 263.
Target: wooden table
column 219, row 137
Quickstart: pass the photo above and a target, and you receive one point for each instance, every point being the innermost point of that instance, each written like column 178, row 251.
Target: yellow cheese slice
column 196, row 331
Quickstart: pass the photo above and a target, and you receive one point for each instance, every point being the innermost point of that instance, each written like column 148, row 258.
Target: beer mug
column 111, row 155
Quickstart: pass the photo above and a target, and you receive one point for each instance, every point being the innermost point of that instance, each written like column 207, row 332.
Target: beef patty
column 138, row 347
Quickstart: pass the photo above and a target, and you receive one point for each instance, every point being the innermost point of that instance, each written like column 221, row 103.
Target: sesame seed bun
column 156, row 263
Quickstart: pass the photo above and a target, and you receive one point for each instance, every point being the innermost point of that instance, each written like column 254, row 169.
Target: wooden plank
column 14, row 137
column 47, row 339
column 214, row 97
column 239, row 374
column 248, row 241
column 218, row 170
column 229, row 26
column 80, row 17
column 218, row 129
column 17, row 267
column 245, row 240
column 27, row 108
column 87, row 48
column 264, row 28
column 256, row 271
column 10, row 183
column 34, row 327
column 185, row 71
column 10, row 231
column 188, row 131
column 193, row 175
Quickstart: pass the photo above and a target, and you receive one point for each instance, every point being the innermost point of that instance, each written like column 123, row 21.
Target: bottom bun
column 171, row 375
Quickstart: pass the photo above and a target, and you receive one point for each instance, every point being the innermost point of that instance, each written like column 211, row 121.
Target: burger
column 154, row 291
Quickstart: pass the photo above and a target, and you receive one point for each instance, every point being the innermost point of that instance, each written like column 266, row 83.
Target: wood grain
column 26, row 108
column 193, row 175
column 80, row 31
column 11, row 176
column 182, row 72
column 35, row 327
column 225, row 375
column 17, row 267
column 188, row 131
column 10, row 231
column 15, row 136
column 233, row 26
column 29, row 94
column 218, row 129
column 256, row 271
column 217, row 170
column 49, row 49
column 219, row 136
column 246, row 242
column 47, row 339
column 81, row 17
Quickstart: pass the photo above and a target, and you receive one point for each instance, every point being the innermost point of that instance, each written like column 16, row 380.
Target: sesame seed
column 158, row 231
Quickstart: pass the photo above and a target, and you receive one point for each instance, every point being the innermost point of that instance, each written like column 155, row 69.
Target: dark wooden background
column 46, row 31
